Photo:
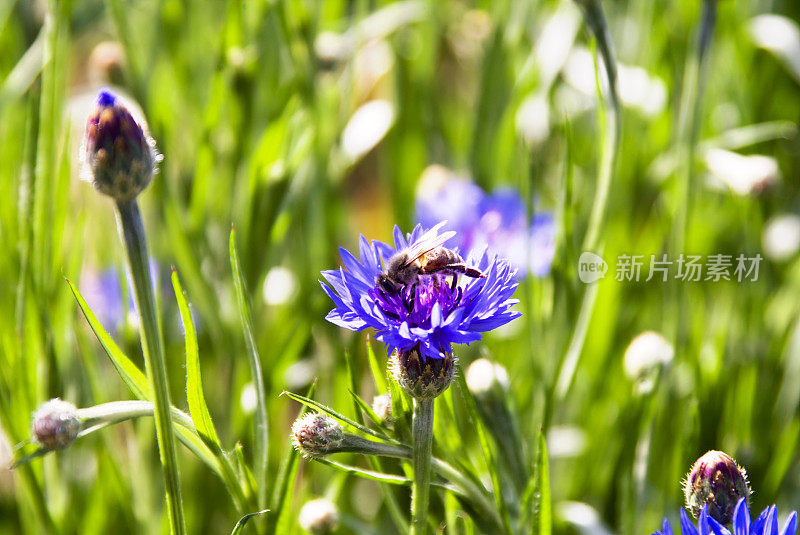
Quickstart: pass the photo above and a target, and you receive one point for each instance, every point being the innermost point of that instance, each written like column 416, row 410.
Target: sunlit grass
column 302, row 125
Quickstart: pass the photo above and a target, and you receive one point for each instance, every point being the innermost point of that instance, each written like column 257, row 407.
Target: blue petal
column 741, row 518
column 771, row 525
column 790, row 527
column 687, row 528
column 702, row 522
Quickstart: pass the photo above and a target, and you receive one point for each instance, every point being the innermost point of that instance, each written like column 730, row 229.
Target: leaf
column 364, row 406
column 261, row 428
column 242, row 521
column 194, row 386
column 366, row 474
column 128, row 371
column 327, row 410
column 545, row 505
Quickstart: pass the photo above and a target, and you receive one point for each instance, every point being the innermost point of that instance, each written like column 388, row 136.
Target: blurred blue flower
column 103, row 294
column 428, row 316
column 497, row 221
column 765, row 524
column 456, row 200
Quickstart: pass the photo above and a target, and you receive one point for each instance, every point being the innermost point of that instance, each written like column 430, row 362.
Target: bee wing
column 427, row 242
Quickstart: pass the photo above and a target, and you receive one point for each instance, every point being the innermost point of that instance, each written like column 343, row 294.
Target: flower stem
column 132, row 233
column 422, row 436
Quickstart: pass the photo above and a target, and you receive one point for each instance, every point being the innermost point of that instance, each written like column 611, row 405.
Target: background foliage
column 248, row 101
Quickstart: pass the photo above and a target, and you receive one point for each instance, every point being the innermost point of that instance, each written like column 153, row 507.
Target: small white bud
column 319, row 516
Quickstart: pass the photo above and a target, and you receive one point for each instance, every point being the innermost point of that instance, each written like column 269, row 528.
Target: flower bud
column 717, row 481
column 107, row 63
column 316, row 435
column 319, row 516
column 119, row 158
column 55, row 424
column 420, row 377
column 644, row 357
column 382, row 407
column 484, row 377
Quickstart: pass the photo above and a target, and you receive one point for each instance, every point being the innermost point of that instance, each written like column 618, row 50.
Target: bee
column 426, row 256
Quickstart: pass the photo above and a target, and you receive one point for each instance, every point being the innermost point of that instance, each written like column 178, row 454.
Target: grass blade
column 261, row 429
column 242, row 521
column 545, row 506
column 194, row 386
column 128, row 371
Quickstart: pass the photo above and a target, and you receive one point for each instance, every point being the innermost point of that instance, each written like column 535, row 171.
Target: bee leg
column 409, row 303
column 454, row 282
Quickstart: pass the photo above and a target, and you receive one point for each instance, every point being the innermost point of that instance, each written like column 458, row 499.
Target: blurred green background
column 252, row 105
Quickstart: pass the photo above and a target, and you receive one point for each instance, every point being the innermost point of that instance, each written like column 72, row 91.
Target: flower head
column 119, row 158
column 55, row 424
column 765, row 524
column 430, row 314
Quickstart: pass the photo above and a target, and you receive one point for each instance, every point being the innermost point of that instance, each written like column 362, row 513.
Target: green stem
column 593, row 12
column 689, row 117
column 466, row 487
column 132, row 232
column 422, row 437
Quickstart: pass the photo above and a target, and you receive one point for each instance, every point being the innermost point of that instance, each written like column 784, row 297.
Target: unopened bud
column 484, row 376
column 316, row 435
column 107, row 63
column 382, row 407
column 319, row 516
column 55, row 424
column 718, row 482
column 421, row 377
column 644, row 357
column 119, row 158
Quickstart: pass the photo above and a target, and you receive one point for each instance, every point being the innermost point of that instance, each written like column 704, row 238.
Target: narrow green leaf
column 366, row 474
column 194, row 386
column 261, row 428
column 327, row 410
column 128, row 371
column 545, row 507
column 242, row 521
column 364, row 406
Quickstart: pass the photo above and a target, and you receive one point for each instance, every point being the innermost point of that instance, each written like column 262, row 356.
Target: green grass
column 249, row 116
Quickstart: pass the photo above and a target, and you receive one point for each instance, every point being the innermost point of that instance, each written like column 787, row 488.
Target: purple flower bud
column 717, row 481
column 119, row 158
column 422, row 377
column 55, row 424
column 316, row 435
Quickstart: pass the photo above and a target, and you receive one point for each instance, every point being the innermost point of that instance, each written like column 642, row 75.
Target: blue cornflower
column 427, row 316
column 765, row 524
column 455, row 199
column 497, row 221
